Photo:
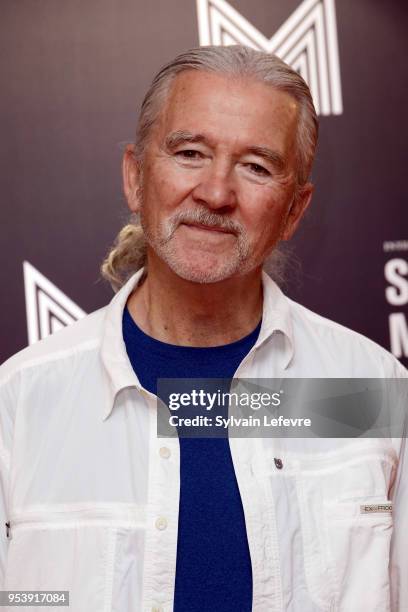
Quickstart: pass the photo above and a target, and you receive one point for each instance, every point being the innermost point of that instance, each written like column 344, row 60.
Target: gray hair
column 128, row 254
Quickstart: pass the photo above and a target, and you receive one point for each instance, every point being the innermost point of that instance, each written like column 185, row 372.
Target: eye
column 257, row 169
column 189, row 154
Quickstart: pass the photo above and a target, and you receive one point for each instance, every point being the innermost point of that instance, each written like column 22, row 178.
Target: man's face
column 217, row 188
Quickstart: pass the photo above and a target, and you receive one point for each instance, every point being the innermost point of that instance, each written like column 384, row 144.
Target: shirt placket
column 162, row 518
column 260, row 525
column 259, row 510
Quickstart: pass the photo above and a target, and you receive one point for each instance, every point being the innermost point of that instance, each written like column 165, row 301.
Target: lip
column 208, row 228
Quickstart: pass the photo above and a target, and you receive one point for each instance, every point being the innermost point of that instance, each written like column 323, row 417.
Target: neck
column 177, row 311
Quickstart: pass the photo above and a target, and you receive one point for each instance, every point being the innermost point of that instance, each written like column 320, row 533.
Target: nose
column 216, row 189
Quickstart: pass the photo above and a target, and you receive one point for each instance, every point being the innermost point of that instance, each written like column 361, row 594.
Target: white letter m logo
column 307, row 41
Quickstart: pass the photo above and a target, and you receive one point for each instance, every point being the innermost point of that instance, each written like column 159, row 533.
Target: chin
column 201, row 265
column 203, row 274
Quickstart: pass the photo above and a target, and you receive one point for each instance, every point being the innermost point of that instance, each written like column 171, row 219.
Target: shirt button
column 278, row 463
column 165, row 452
column 161, row 523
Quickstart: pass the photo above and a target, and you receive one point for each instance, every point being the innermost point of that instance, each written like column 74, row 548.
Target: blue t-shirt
column 213, row 569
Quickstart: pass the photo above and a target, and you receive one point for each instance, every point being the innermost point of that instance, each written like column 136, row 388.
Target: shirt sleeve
column 3, row 518
column 399, row 542
column 399, row 497
column 7, row 412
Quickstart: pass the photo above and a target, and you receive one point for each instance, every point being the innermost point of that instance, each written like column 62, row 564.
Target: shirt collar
column 276, row 318
column 117, row 367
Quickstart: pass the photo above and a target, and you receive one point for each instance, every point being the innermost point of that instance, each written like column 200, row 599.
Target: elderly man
column 94, row 501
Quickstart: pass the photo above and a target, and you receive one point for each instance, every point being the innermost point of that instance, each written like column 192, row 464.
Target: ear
column 297, row 209
column 131, row 172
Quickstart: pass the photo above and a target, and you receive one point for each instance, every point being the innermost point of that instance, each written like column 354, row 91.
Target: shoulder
column 66, row 344
column 338, row 344
column 39, row 375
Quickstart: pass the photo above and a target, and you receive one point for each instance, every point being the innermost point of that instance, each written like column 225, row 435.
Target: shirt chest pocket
column 346, row 520
column 94, row 552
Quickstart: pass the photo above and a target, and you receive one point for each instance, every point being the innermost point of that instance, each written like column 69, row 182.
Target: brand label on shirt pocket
column 375, row 508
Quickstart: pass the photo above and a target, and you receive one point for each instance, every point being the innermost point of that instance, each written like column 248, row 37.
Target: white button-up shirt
column 91, row 493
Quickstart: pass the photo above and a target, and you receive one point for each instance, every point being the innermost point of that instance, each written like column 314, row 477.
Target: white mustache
column 205, row 217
